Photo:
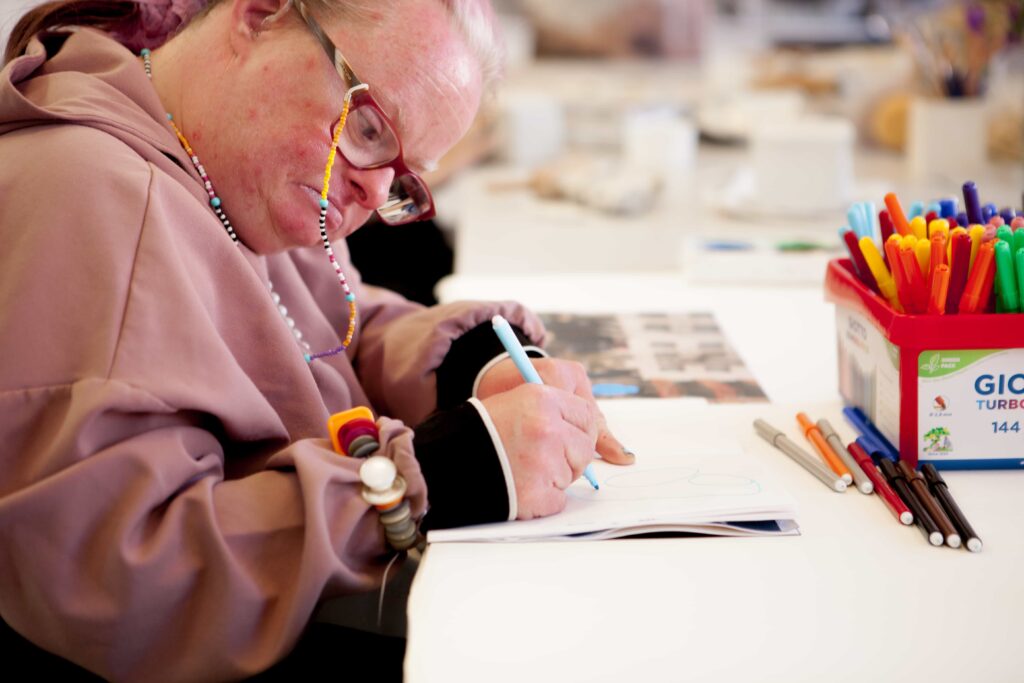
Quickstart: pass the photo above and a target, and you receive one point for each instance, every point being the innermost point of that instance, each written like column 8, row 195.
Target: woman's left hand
column 566, row 375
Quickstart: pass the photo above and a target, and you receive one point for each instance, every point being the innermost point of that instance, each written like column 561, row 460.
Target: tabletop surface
column 855, row 597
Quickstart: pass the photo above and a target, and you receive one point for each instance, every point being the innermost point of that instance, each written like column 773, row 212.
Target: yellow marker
column 909, row 241
column 939, row 225
column 949, row 242
column 877, row 266
column 918, row 228
column 923, row 250
column 976, row 232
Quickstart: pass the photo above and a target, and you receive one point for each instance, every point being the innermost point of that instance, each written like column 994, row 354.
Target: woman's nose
column 369, row 186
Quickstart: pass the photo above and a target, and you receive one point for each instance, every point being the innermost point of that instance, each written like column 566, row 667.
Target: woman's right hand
column 549, row 436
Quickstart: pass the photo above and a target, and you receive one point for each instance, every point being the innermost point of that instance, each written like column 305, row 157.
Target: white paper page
column 684, row 474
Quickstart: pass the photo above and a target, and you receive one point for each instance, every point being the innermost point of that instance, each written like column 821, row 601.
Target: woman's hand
column 546, row 430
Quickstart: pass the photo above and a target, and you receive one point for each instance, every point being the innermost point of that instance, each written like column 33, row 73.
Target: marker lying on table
column 920, row 489
column 888, row 496
column 879, row 444
column 813, row 465
column 864, row 485
column 941, row 492
column 902, row 487
column 526, row 369
column 817, row 439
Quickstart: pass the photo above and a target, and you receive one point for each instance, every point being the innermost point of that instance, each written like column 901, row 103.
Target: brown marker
column 920, row 489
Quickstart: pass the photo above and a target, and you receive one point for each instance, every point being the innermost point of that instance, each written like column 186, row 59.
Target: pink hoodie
column 170, row 508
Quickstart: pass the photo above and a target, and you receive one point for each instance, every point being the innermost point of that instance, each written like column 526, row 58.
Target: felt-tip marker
column 813, row 465
column 941, row 491
column 892, row 501
column 518, row 355
column 921, row 518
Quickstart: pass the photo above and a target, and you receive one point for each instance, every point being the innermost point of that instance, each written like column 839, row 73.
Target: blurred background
column 710, row 138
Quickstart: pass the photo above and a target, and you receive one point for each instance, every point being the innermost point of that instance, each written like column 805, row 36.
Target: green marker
column 1019, row 258
column 1018, row 240
column 1008, row 292
column 1005, row 233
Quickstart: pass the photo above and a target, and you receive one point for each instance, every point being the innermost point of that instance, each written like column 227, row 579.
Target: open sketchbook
column 687, row 479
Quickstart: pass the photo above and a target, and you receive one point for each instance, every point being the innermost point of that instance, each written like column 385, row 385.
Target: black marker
column 941, row 491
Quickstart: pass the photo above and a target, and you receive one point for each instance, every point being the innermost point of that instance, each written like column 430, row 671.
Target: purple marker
column 1007, row 214
column 972, row 205
column 961, row 219
column 988, row 211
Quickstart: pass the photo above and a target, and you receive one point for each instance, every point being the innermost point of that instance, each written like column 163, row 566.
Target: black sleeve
column 465, row 482
column 467, row 355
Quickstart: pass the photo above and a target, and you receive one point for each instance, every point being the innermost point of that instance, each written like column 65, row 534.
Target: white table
column 856, row 597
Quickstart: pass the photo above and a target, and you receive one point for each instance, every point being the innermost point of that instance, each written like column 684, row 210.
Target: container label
column 971, row 406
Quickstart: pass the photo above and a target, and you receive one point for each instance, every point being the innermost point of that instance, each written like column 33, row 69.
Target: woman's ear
column 251, row 17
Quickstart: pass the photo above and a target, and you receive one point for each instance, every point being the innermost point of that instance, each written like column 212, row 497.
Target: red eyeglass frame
column 361, row 97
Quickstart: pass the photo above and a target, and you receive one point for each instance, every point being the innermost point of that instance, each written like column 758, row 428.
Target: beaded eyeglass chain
column 216, row 205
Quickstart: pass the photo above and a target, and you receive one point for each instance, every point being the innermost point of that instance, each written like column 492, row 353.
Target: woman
column 176, row 325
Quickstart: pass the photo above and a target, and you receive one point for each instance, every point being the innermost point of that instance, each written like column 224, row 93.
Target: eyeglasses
column 369, row 140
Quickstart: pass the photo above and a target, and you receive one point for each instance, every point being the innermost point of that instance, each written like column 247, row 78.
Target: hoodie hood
column 84, row 77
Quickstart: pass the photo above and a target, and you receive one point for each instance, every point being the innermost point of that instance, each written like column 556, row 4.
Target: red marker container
column 945, row 389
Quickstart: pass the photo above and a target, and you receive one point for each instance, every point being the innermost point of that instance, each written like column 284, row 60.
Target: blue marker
column 526, row 369
column 972, row 205
column 947, row 208
column 856, row 219
column 870, row 433
column 916, row 209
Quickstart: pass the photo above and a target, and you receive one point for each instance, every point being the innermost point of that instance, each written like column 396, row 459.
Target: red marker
column 888, row 496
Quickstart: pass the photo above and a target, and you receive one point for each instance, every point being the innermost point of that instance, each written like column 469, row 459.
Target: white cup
column 803, row 166
column 946, row 137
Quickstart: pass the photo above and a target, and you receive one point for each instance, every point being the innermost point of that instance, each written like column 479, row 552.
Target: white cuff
column 499, row 448
column 497, row 359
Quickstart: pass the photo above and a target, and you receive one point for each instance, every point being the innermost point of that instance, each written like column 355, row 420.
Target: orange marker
column 939, row 255
column 980, row 280
column 918, row 292
column 899, row 219
column 940, row 288
column 815, row 436
column 899, row 276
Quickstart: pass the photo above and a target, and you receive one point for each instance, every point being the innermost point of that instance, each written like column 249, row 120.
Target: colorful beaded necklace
column 216, row 205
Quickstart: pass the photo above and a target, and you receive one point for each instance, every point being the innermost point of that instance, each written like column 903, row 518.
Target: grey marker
column 810, row 463
column 864, row 484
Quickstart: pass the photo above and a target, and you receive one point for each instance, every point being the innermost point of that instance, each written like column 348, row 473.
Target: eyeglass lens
column 407, row 200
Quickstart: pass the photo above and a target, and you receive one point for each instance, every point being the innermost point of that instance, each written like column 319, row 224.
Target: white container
column 946, row 137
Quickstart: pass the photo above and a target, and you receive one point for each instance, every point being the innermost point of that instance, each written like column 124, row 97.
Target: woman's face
column 264, row 133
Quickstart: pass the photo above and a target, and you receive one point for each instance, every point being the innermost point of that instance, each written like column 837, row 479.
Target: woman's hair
column 144, row 23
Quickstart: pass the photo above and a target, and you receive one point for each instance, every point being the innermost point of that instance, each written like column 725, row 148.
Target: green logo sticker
column 942, row 363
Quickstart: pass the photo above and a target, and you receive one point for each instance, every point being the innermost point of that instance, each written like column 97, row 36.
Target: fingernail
column 628, row 452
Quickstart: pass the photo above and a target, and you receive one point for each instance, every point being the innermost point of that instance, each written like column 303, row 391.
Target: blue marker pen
column 870, row 433
column 526, row 369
